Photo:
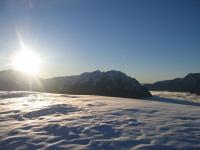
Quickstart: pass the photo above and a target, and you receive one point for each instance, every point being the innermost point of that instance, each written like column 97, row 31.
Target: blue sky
column 149, row 40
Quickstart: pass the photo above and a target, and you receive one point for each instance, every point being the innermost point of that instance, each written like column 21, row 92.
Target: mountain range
column 190, row 83
column 110, row 83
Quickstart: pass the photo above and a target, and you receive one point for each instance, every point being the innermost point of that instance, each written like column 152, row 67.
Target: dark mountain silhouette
column 190, row 83
column 111, row 83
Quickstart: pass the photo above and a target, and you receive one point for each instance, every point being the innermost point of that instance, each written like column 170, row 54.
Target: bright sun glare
column 26, row 61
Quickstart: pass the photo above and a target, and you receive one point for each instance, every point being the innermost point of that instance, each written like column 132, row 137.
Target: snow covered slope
column 30, row 120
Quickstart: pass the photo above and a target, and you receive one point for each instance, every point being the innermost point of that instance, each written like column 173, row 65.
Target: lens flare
column 26, row 61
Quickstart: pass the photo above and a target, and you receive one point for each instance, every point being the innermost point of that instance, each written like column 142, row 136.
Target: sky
column 148, row 40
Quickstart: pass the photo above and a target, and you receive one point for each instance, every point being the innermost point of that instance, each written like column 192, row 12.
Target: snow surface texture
column 30, row 120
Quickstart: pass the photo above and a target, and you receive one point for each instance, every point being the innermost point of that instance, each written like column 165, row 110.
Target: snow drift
column 30, row 120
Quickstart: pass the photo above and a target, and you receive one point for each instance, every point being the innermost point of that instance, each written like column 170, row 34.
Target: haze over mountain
column 16, row 80
column 190, row 83
column 111, row 83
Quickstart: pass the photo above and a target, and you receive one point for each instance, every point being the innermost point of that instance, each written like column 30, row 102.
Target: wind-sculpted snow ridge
column 46, row 121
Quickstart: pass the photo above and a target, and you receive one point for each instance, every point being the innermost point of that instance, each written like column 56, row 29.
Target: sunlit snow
column 30, row 120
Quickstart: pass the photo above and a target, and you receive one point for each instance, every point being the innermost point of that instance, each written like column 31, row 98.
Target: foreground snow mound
column 47, row 121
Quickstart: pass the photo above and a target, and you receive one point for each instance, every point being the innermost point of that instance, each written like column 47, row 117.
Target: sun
column 26, row 61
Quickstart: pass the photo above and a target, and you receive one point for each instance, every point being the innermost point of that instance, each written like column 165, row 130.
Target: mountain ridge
column 110, row 83
column 189, row 83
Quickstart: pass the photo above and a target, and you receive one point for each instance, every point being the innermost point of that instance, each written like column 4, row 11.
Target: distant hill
column 111, row 83
column 190, row 83
column 16, row 80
